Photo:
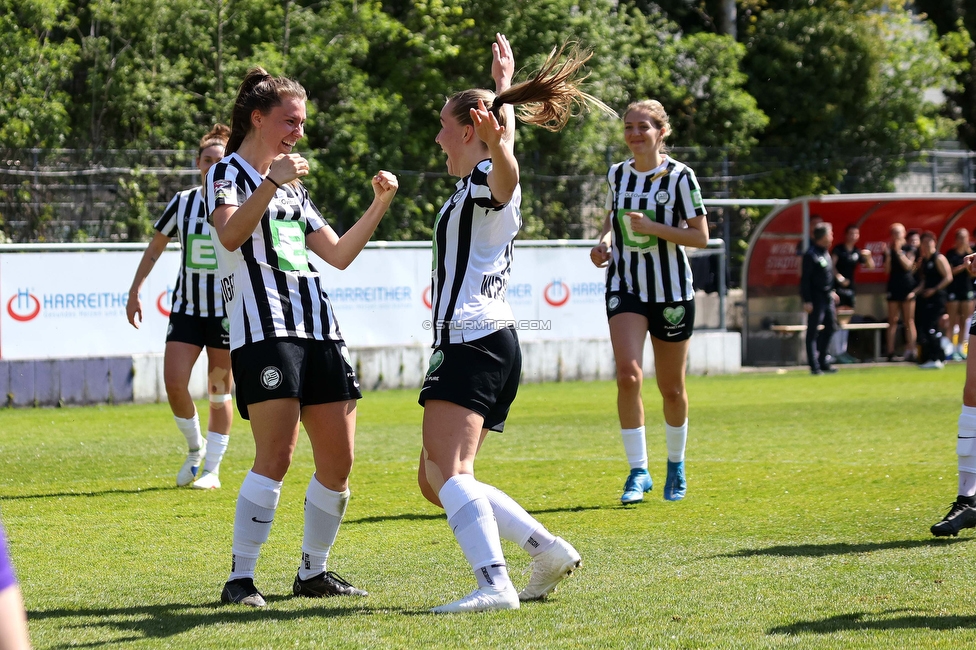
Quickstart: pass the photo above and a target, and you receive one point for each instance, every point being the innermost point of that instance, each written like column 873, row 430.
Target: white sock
column 516, row 525
column 190, row 428
column 470, row 516
column 676, row 438
column 635, row 446
column 216, row 446
column 966, row 451
column 324, row 509
column 256, row 504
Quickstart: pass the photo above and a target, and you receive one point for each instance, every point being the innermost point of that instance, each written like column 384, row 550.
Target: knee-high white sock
column 190, row 428
column 256, row 504
column 966, row 451
column 517, row 525
column 676, row 438
column 216, row 446
column 324, row 509
column 471, row 518
column 635, row 446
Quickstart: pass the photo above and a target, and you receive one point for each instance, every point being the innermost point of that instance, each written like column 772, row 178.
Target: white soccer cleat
column 191, row 465
column 483, row 599
column 207, row 481
column 549, row 569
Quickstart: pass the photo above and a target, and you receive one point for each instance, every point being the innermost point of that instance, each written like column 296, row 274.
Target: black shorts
column 845, row 297
column 898, row 293
column 201, row 331
column 315, row 372
column 481, row 375
column 667, row 321
column 960, row 296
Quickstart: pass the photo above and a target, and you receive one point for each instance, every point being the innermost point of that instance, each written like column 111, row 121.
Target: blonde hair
column 216, row 137
column 547, row 100
column 659, row 116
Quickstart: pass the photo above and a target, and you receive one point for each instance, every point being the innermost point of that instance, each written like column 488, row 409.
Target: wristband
column 268, row 178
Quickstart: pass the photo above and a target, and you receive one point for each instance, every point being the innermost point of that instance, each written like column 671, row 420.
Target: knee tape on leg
column 220, row 399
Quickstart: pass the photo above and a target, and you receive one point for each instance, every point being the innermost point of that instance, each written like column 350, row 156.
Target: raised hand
column 385, row 186
column 502, row 63
column 486, row 126
column 287, row 167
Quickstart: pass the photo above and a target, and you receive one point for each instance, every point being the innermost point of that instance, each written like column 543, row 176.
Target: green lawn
column 806, row 525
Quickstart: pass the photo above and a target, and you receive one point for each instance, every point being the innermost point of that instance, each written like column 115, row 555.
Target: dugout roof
column 771, row 265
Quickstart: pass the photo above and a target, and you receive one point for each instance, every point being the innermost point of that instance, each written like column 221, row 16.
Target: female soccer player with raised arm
column 197, row 320
column 655, row 210
column 289, row 357
column 475, row 367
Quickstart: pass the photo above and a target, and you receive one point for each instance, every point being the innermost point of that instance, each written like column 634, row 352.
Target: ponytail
column 216, row 137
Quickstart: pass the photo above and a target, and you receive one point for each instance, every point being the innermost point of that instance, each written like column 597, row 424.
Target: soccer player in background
column 655, row 210
column 817, row 280
column 934, row 276
column 847, row 257
column 962, row 512
column 474, row 370
column 197, row 320
column 288, row 354
column 13, row 618
column 899, row 264
column 959, row 295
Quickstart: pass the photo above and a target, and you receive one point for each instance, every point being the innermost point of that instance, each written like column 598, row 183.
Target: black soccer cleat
column 961, row 515
column 242, row 592
column 324, row 585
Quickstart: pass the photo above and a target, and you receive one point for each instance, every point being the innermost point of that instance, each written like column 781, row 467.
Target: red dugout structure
column 771, row 272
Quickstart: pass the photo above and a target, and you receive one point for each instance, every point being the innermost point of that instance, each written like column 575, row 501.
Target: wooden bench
column 877, row 328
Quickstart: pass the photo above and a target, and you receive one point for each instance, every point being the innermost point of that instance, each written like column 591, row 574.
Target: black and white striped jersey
column 654, row 269
column 196, row 292
column 473, row 247
column 270, row 288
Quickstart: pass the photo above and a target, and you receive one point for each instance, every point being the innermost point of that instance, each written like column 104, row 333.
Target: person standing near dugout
column 934, row 276
column 819, row 300
column 197, row 320
column 959, row 295
column 846, row 257
column 655, row 210
column 899, row 264
column 291, row 361
column 474, row 370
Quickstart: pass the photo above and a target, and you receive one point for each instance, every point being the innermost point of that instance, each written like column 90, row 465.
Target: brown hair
column 546, row 100
column 262, row 92
column 216, row 137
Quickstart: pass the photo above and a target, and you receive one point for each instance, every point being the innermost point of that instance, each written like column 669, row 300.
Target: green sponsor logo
column 200, row 253
column 674, row 315
column 288, row 240
column 436, row 360
column 632, row 239
column 696, row 199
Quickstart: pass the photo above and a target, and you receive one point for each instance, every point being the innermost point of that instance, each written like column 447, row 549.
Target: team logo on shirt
column 613, row 303
column 674, row 315
column 662, row 197
column 270, row 378
column 458, row 195
column 436, row 360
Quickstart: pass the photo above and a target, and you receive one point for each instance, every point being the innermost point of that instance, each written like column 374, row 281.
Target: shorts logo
column 344, row 353
column 169, row 330
column 225, row 324
column 662, row 196
column 270, row 378
column 674, row 315
column 613, row 303
column 436, row 360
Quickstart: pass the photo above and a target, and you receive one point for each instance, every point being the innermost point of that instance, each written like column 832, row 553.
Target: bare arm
column 504, row 174
column 341, row 251
column 235, row 224
column 133, row 306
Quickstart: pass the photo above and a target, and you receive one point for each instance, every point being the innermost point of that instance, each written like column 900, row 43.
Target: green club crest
column 674, row 315
column 436, row 360
column 225, row 324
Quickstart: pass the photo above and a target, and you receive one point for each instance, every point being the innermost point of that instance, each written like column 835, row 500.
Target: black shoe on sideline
column 961, row 515
column 828, row 369
column 324, row 585
column 242, row 592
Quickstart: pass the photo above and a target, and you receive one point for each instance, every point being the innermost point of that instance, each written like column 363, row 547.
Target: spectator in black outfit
column 960, row 292
column 846, row 256
column 899, row 264
column 817, row 291
column 934, row 275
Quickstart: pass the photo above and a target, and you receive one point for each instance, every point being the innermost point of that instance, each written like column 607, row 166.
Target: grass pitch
column 806, row 525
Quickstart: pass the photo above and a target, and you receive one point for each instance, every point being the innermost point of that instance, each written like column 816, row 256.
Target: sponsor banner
column 61, row 305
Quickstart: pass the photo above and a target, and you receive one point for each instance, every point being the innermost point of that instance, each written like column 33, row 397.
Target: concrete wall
column 139, row 378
